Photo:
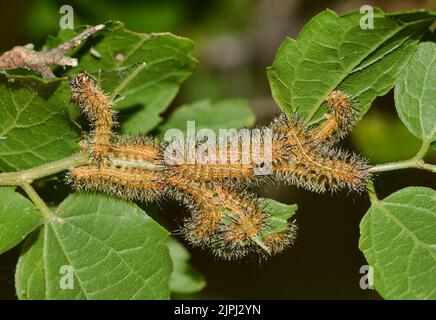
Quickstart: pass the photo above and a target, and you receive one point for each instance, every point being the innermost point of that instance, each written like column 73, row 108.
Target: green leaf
column 34, row 123
column 113, row 249
column 18, row 217
column 144, row 70
column 333, row 52
column 398, row 239
column 415, row 93
column 30, row 274
column 185, row 278
column 225, row 114
column 280, row 213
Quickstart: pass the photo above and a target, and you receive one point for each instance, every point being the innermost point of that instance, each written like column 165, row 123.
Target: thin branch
column 415, row 162
column 29, row 175
column 26, row 57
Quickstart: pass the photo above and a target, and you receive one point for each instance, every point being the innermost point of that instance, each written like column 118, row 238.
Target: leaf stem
column 371, row 192
column 415, row 162
column 423, row 150
column 30, row 175
column 36, row 199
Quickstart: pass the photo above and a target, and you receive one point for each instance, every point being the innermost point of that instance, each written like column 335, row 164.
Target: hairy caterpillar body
column 298, row 158
column 129, row 183
column 97, row 107
column 227, row 171
column 224, row 216
column 228, row 221
column 314, row 165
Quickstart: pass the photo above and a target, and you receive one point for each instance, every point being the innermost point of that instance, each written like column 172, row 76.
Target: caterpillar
column 315, row 165
column 97, row 107
column 224, row 215
column 229, row 221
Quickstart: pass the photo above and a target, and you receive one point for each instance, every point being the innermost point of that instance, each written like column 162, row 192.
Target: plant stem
column 415, row 162
column 36, row 199
column 371, row 192
column 29, row 175
column 423, row 150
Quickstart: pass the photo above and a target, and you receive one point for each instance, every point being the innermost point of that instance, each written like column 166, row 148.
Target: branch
column 29, row 175
column 416, row 162
column 26, row 57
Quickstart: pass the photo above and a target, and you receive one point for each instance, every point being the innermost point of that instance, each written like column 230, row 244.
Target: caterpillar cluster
column 224, row 215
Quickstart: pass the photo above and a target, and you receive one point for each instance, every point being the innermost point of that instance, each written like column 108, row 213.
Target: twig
column 29, row 175
column 416, row 162
column 40, row 62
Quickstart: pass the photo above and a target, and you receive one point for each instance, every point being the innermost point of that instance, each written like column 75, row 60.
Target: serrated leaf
column 415, row 93
column 18, row 217
column 398, row 239
column 144, row 70
column 34, row 123
column 114, row 250
column 333, row 52
column 185, row 278
column 225, row 114
column 279, row 214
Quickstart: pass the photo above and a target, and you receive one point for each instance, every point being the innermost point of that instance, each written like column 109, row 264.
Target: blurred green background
column 235, row 41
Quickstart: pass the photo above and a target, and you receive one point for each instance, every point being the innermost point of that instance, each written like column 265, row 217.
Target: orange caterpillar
column 315, row 165
column 230, row 222
column 236, row 171
column 313, row 162
column 124, row 182
column 300, row 156
column 225, row 217
column 97, row 107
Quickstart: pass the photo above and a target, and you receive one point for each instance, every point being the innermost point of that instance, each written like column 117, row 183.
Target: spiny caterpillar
column 230, row 222
column 95, row 104
column 225, row 216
